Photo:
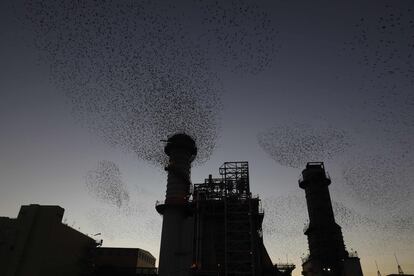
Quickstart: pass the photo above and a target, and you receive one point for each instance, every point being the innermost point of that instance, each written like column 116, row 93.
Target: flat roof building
column 38, row 243
column 124, row 262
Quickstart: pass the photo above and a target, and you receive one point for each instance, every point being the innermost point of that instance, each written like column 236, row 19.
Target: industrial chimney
column 326, row 244
column 177, row 227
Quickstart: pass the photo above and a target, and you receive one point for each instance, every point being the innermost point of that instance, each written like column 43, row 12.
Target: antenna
column 400, row 271
column 378, row 272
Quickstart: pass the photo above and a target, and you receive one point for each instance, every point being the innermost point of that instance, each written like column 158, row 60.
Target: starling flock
column 105, row 183
column 286, row 217
column 239, row 34
column 383, row 47
column 383, row 43
column 379, row 176
column 296, row 144
column 136, row 72
column 127, row 212
column 377, row 181
column 377, row 162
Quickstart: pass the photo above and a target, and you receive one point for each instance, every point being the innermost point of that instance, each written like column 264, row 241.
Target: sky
column 89, row 90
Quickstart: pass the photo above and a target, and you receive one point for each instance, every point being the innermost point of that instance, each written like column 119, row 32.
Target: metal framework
column 234, row 183
column 232, row 191
column 236, row 177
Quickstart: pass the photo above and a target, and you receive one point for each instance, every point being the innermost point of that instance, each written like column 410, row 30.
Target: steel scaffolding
column 228, row 199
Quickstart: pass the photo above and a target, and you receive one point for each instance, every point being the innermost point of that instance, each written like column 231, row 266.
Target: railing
column 325, row 174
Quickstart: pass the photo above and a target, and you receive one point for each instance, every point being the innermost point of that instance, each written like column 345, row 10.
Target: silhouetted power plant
column 219, row 230
column 211, row 228
column 327, row 253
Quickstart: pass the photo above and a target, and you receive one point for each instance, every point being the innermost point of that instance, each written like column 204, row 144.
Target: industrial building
column 37, row 243
column 327, row 253
column 212, row 228
column 114, row 261
column 228, row 226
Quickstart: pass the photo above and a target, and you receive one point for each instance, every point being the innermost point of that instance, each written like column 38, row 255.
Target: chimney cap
column 181, row 141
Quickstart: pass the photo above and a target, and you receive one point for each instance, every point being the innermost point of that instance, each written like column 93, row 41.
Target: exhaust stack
column 176, row 238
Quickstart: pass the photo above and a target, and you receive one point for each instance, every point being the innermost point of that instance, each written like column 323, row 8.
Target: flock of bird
column 137, row 72
column 105, row 183
column 286, row 218
column 383, row 43
column 296, row 144
column 380, row 177
column 239, row 34
column 377, row 181
column 130, row 72
column 383, row 46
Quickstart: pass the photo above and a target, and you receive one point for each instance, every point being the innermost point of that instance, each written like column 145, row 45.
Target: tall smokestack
column 326, row 244
column 176, row 248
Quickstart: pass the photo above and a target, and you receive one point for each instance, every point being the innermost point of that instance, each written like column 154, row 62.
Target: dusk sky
column 89, row 89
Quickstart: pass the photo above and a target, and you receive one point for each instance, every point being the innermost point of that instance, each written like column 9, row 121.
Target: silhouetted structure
column 228, row 226
column 217, row 231
column 113, row 261
column 176, row 238
column 328, row 255
column 37, row 243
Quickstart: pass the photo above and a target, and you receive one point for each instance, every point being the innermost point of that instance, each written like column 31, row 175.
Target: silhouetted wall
column 37, row 243
column 125, row 261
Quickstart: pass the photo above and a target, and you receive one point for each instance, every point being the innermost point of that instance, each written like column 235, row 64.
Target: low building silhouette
column 38, row 243
column 115, row 261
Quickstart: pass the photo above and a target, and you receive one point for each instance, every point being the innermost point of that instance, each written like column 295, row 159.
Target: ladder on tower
column 239, row 257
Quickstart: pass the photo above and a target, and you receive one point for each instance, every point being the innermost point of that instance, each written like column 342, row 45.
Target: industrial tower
column 327, row 253
column 176, row 237
column 213, row 228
